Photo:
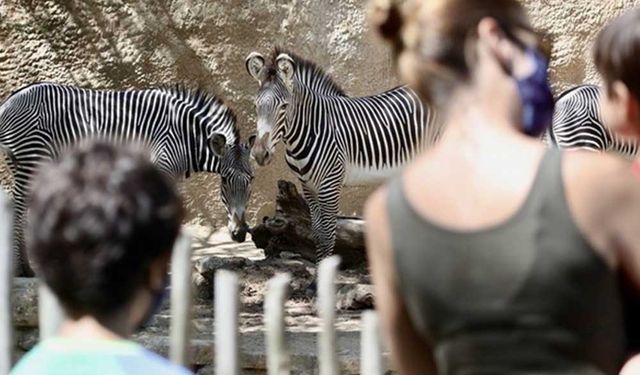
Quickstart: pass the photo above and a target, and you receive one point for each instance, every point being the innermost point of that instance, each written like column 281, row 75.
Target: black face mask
column 157, row 297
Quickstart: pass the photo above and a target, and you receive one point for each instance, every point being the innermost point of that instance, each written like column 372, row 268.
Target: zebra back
column 577, row 123
column 173, row 122
column 378, row 131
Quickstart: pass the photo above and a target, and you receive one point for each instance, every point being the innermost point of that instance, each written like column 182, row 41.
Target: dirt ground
column 215, row 250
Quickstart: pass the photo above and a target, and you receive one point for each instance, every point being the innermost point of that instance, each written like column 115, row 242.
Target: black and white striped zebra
column 332, row 139
column 184, row 131
column 577, row 123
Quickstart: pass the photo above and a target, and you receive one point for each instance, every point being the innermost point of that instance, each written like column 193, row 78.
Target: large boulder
column 253, row 276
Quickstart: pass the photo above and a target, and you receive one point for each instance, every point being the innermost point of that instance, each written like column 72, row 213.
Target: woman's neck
column 476, row 113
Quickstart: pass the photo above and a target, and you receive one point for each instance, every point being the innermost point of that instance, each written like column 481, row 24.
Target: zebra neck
column 304, row 124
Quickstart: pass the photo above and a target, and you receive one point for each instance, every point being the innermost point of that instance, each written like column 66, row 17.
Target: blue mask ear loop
column 512, row 37
column 515, row 40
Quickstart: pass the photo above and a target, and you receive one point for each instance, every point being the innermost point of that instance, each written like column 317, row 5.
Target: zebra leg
column 324, row 218
column 314, row 210
column 21, row 264
column 326, row 238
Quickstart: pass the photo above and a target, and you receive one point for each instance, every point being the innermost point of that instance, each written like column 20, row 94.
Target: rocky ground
column 213, row 251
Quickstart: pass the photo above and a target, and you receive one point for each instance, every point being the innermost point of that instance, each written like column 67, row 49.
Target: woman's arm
column 411, row 354
column 603, row 195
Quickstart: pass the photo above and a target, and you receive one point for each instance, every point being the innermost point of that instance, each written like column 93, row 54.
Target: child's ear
column 633, row 111
column 631, row 108
column 624, row 110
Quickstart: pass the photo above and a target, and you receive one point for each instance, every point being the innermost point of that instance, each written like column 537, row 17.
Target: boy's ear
column 633, row 111
column 630, row 106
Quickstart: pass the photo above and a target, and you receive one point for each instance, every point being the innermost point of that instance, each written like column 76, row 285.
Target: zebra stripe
column 331, row 139
column 185, row 131
column 577, row 123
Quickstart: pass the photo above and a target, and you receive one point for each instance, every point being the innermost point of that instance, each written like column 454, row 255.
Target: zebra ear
column 255, row 66
column 218, row 143
column 286, row 69
column 252, row 140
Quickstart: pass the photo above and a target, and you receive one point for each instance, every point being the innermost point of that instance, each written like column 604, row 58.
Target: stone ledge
column 24, row 301
column 301, row 345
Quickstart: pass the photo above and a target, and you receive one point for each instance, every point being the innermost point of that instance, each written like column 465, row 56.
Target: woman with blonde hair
column 491, row 254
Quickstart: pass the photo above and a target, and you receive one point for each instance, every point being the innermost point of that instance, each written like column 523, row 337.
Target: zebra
column 331, row 139
column 184, row 131
column 577, row 123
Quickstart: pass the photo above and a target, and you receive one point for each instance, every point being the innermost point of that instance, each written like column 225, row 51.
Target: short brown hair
column 432, row 38
column 617, row 51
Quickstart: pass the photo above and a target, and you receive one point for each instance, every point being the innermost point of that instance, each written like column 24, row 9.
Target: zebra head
column 210, row 140
column 272, row 101
column 236, row 173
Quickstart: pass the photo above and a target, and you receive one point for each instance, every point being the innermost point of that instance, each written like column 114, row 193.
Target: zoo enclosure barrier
column 226, row 305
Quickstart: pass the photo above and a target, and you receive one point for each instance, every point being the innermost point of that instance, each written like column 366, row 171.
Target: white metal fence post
column 181, row 301
column 370, row 345
column 6, row 275
column 226, row 323
column 277, row 354
column 327, row 271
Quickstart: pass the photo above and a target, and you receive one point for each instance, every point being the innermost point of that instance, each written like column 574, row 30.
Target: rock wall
column 133, row 44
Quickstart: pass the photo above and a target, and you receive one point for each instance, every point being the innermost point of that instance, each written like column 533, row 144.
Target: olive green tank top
column 527, row 296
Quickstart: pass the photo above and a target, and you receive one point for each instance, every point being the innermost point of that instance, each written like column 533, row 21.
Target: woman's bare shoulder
column 601, row 171
column 632, row 367
column 376, row 203
column 601, row 187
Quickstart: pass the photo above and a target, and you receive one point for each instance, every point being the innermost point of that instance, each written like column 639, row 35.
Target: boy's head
column 617, row 58
column 102, row 222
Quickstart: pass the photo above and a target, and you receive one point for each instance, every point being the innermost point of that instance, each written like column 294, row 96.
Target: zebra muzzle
column 262, row 157
column 239, row 235
column 259, row 152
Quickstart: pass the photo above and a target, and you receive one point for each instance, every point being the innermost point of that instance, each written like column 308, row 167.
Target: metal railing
column 226, row 305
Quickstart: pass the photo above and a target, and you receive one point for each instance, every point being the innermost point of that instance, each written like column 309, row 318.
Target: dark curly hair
column 97, row 219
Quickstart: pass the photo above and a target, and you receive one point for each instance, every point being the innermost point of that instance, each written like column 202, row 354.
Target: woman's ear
column 489, row 32
column 493, row 42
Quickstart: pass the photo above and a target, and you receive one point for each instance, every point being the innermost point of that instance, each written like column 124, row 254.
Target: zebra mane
column 308, row 73
column 201, row 99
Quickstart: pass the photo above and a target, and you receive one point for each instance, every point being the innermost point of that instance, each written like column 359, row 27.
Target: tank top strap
column 548, row 181
column 397, row 204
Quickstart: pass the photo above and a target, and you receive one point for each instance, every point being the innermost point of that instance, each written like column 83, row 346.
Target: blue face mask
column 536, row 96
